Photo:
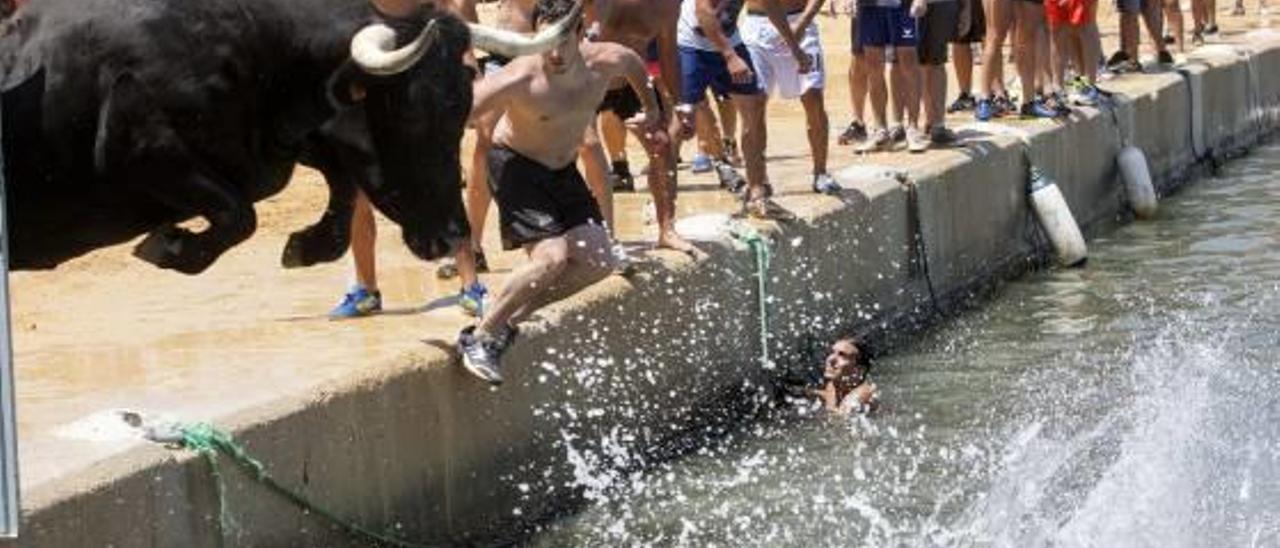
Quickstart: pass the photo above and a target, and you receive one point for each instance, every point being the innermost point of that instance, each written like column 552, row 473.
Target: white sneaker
column 916, row 141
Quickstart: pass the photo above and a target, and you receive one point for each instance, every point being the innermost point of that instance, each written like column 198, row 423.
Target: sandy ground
column 107, row 331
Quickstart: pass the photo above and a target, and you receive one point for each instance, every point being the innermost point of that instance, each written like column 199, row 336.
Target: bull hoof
column 309, row 247
column 167, row 248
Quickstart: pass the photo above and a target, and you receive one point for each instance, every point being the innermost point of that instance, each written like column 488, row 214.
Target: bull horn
column 373, row 49
column 513, row 44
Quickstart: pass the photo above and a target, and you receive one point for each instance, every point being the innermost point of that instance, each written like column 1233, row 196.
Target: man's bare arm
column 811, row 10
column 710, row 25
column 777, row 16
column 493, row 92
column 669, row 49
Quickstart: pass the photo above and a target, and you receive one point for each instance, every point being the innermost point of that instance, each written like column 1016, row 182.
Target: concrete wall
column 633, row 366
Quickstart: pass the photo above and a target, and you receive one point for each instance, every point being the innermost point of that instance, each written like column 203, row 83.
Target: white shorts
column 775, row 67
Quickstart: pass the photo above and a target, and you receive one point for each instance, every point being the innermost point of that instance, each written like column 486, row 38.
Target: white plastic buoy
column 1056, row 220
column 1137, row 181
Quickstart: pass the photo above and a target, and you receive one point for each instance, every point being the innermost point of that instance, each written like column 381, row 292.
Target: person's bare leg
column 1129, row 34
column 999, row 18
column 477, row 199
column 662, row 187
column 595, row 169
column 1173, row 14
column 754, row 141
column 818, row 126
column 1030, row 18
column 613, row 133
column 1153, row 19
column 729, row 123
column 1044, row 63
column 935, row 95
column 877, row 88
column 707, row 129
column 904, row 89
column 556, row 268
column 1091, row 49
column 962, row 55
column 1063, row 51
column 858, row 87
column 364, row 238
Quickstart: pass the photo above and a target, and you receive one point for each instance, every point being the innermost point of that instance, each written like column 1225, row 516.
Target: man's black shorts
column 625, row 103
column 536, row 202
column 977, row 25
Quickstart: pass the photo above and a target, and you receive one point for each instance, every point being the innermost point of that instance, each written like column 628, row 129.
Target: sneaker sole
column 466, row 364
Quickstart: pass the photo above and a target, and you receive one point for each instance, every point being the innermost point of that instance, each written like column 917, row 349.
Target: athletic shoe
column 1037, row 109
column 1169, row 40
column 1087, row 96
column 1238, row 10
column 701, row 163
column 916, row 142
column 1117, row 60
column 1211, row 30
column 356, row 303
column 471, row 299
column 940, row 136
column 449, row 266
column 824, row 184
column 623, row 180
column 964, row 103
column 1165, row 58
column 856, row 131
column 481, row 355
column 898, row 134
column 1004, row 105
column 876, row 140
column 1058, row 104
column 984, row 111
column 1197, row 39
column 729, row 177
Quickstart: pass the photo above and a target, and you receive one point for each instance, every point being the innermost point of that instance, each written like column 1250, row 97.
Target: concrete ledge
column 416, row 448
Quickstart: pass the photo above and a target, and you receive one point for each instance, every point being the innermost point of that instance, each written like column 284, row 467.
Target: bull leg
column 231, row 221
column 327, row 239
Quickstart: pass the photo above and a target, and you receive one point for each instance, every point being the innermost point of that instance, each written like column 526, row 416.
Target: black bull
column 127, row 117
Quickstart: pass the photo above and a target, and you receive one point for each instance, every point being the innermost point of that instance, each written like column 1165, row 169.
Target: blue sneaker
column 471, row 299
column 356, row 303
column 985, row 110
column 701, row 163
column 1036, row 108
column 824, row 184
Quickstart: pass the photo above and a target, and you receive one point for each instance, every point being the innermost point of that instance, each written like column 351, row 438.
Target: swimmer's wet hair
column 550, row 11
column 864, row 354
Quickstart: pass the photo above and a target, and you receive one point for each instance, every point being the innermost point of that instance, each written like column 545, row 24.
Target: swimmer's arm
column 493, row 92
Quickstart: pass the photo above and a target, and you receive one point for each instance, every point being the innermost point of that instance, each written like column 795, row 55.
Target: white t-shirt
column 689, row 34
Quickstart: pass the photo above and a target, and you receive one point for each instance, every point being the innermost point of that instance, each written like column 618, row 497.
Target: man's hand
column 738, row 69
column 918, row 9
column 804, row 61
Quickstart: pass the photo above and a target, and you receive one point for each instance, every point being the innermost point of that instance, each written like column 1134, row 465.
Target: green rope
column 210, row 442
column 757, row 243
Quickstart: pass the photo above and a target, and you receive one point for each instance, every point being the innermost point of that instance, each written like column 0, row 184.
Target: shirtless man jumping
column 543, row 202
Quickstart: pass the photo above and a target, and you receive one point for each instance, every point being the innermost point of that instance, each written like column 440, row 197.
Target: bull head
column 373, row 47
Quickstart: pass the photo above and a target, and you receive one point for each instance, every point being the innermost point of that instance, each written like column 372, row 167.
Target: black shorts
column 536, row 202
column 977, row 25
column 625, row 103
column 937, row 28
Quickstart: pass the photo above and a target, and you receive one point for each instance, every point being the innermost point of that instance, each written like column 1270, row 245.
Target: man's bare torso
column 545, row 121
column 788, row 6
column 635, row 23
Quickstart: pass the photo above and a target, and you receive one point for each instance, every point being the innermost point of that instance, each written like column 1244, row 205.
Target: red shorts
column 1069, row 12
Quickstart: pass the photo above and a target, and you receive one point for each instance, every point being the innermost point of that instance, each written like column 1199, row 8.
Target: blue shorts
column 881, row 27
column 700, row 69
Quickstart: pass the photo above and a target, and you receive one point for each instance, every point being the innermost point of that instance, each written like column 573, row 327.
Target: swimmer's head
column 847, row 360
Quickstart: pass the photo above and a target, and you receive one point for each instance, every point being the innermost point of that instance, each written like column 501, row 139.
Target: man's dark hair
column 864, row 355
column 550, row 11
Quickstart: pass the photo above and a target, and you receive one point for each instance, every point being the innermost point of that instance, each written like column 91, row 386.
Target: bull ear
column 346, row 86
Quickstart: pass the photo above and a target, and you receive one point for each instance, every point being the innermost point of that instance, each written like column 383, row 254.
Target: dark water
column 1135, row 402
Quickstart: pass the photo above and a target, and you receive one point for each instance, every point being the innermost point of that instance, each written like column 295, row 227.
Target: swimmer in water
column 846, row 384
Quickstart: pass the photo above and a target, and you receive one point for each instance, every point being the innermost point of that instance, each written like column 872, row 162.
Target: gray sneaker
column 916, row 141
column 482, row 355
column 876, row 140
column 729, row 177
column 824, row 184
column 939, row 135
